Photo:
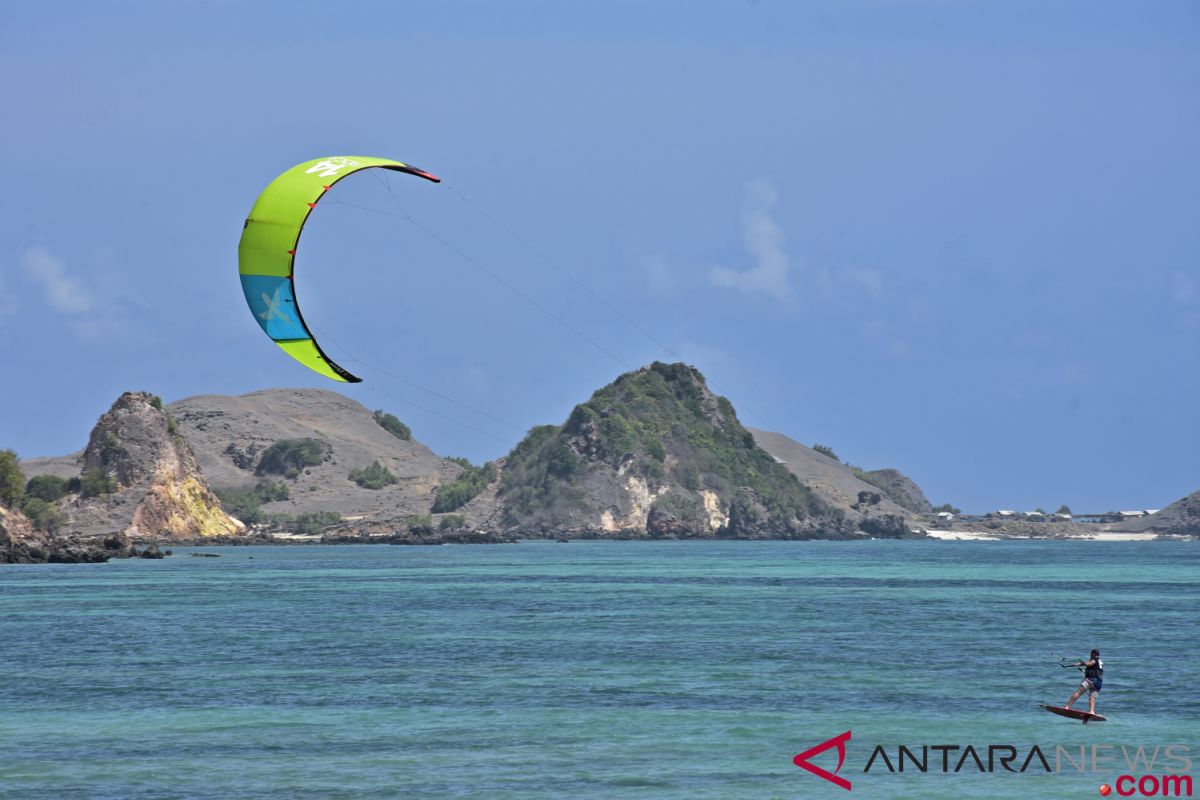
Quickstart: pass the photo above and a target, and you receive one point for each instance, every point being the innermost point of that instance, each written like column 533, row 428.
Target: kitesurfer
column 1093, row 679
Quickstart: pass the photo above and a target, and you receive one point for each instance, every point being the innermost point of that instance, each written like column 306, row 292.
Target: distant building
column 1006, row 513
column 1034, row 516
column 1060, row 517
column 944, row 515
column 1131, row 514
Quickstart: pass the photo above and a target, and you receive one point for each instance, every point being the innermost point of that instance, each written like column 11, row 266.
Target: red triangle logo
column 839, row 742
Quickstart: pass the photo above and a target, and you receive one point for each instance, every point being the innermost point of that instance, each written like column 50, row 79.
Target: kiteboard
column 1073, row 713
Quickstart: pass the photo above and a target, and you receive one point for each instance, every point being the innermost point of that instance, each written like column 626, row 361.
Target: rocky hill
column 656, row 453
column 841, row 487
column 139, row 476
column 136, row 479
column 898, row 487
column 1181, row 518
column 229, row 436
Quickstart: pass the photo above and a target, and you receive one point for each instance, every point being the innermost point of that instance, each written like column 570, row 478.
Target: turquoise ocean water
column 587, row 670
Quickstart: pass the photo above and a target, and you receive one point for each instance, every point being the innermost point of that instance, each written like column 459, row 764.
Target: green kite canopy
column 267, row 252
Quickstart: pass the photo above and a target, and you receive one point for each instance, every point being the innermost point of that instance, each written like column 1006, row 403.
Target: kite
column 267, row 252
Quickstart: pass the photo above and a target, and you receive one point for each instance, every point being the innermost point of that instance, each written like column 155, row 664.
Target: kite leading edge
column 267, row 252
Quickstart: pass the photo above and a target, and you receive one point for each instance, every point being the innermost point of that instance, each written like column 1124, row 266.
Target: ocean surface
column 592, row 669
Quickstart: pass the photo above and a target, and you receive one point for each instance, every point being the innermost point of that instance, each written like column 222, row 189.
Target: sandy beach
column 989, row 536
column 967, row 536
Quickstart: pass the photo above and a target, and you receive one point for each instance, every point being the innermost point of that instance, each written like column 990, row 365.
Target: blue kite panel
column 270, row 298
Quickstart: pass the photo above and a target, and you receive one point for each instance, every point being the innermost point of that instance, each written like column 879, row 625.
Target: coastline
column 1098, row 536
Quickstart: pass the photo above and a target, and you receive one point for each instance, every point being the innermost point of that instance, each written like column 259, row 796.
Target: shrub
column 241, row 503
column 316, row 521
column 246, row 504
column 1063, row 509
column 375, row 476
column 826, row 451
column 289, row 456
column 96, row 482
column 419, row 523
column 689, row 477
column 271, row 491
column 156, row 401
column 110, row 448
column 452, row 522
column 47, row 487
column 563, row 463
column 12, row 481
column 307, row 523
column 43, row 515
column 469, row 483
column 392, row 425
column 948, row 508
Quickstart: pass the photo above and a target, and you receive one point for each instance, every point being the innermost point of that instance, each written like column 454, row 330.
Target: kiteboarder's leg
column 1093, row 693
column 1074, row 697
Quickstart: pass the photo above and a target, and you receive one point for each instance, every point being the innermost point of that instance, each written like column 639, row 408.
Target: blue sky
column 956, row 238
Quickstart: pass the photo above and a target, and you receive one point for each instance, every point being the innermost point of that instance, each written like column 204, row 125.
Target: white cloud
column 64, row 293
column 764, row 240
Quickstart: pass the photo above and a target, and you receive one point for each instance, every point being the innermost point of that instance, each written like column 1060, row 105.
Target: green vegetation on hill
column 43, row 515
column 96, row 482
column 41, row 493
column 246, row 504
column 12, row 480
column 310, row 522
column 47, row 487
column 825, row 450
column 662, row 424
column 463, row 489
column 419, row 523
column 375, row 476
column 34, row 499
column 111, row 449
column 452, row 522
column 393, row 425
column 288, row 457
column 307, row 523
